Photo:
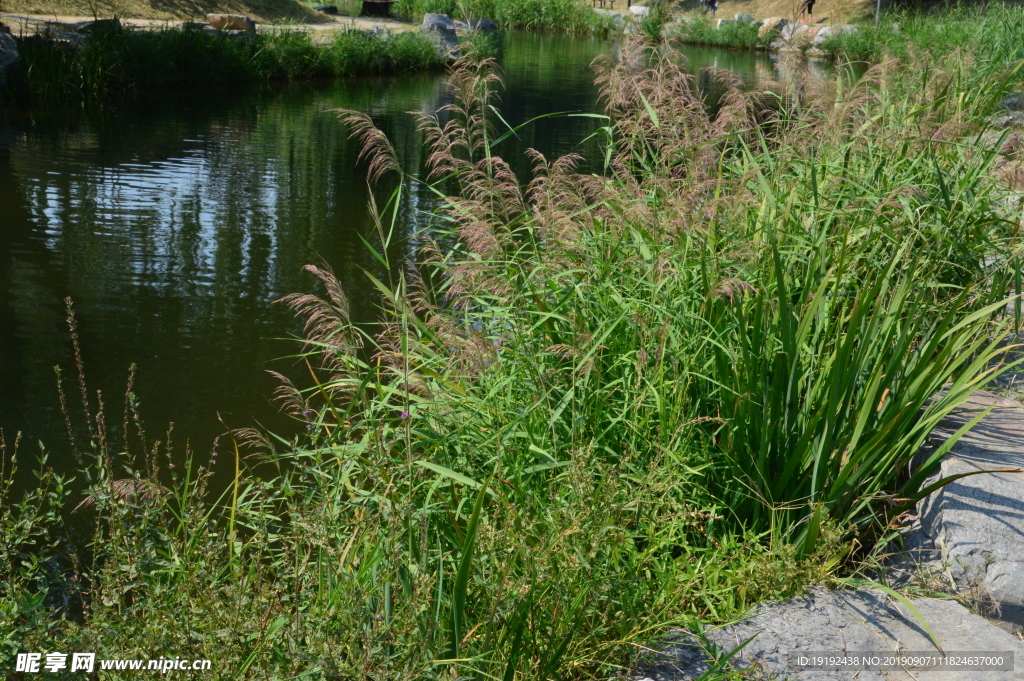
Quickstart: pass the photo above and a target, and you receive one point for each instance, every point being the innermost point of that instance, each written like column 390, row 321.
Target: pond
column 175, row 224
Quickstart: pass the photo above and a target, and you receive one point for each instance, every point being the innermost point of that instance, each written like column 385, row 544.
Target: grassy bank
column 988, row 33
column 622, row 402
column 570, row 16
column 121, row 62
column 260, row 10
column 702, row 31
column 985, row 33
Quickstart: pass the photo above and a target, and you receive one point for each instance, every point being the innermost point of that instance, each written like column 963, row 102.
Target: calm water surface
column 175, row 224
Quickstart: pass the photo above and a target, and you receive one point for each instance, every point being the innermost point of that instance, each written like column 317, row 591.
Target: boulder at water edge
column 772, row 25
column 8, row 55
column 434, row 22
column 97, row 27
column 483, row 25
column 480, row 25
column 827, row 32
column 231, row 22
column 441, row 28
column 797, row 36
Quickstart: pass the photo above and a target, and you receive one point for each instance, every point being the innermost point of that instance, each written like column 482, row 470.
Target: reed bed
column 597, row 406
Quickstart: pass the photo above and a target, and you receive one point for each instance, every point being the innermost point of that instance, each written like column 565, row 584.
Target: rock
column 326, row 9
column 843, row 622
column 791, row 31
column 1013, row 120
column 725, row 22
column 745, row 18
column 797, row 36
column 895, row 27
column 441, row 28
column 4, row 28
column 8, row 55
column 977, row 522
column 432, row 22
column 482, row 25
column 1014, row 101
column 772, row 25
column 618, row 20
column 639, row 11
column 98, row 26
column 231, row 22
column 827, row 32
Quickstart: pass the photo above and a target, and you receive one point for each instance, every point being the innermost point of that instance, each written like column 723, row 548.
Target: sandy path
column 27, row 24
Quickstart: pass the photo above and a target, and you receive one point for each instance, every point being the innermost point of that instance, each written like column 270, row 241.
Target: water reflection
column 175, row 225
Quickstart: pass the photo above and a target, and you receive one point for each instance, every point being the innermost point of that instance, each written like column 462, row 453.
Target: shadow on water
column 175, row 224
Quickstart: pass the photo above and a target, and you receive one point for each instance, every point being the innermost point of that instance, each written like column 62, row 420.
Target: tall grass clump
column 702, row 31
column 570, row 16
column 118, row 62
column 596, row 406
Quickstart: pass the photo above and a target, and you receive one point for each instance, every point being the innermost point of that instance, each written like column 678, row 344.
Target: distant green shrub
column 570, row 16
column 702, row 31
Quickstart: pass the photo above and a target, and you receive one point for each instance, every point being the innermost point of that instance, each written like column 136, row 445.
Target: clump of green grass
column 651, row 24
column 596, row 407
column 702, row 31
column 117, row 63
column 570, row 16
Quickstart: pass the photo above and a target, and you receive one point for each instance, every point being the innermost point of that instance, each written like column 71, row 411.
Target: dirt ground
column 834, row 11
column 260, row 10
column 25, row 24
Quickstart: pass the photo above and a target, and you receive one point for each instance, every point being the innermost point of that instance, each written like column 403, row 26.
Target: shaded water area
column 175, row 224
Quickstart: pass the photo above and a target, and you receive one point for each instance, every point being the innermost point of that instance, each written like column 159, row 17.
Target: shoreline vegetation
column 566, row 16
column 597, row 407
column 119, row 62
column 986, row 31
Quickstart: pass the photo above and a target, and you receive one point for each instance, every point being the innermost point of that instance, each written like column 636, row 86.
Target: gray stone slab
column 841, row 622
column 977, row 522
